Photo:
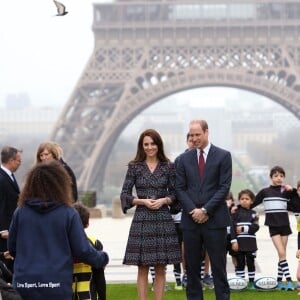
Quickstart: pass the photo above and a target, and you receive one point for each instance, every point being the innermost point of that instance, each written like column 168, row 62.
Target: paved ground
column 114, row 232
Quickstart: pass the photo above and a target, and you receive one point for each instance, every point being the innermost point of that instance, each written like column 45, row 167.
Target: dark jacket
column 248, row 219
column 275, row 200
column 9, row 193
column 294, row 203
column 73, row 179
column 209, row 193
column 44, row 238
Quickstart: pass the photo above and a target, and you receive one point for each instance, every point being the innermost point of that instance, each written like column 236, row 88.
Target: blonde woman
column 49, row 151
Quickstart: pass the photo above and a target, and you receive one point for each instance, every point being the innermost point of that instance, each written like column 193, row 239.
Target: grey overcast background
column 43, row 55
column 40, row 54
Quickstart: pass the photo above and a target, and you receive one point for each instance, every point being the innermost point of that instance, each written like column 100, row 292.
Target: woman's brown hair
column 141, row 155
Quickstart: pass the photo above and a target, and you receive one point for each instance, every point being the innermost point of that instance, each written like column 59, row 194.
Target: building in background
column 19, row 118
column 25, row 127
column 234, row 124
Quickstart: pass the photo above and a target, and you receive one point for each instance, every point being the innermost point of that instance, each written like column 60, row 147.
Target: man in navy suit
column 202, row 192
column 9, row 192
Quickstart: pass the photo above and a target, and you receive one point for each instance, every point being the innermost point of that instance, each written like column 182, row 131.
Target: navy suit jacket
column 9, row 192
column 210, row 192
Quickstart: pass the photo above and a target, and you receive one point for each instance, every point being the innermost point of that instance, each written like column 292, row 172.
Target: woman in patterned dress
column 152, row 239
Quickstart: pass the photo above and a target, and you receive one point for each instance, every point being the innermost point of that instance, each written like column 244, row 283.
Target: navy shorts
column 283, row 230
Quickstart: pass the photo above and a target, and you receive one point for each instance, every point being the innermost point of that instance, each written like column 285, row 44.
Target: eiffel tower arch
column 147, row 50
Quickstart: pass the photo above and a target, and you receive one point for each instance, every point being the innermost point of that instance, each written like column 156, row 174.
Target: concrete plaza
column 113, row 233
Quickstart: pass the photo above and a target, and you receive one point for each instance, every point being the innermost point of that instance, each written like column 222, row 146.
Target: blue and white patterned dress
column 152, row 237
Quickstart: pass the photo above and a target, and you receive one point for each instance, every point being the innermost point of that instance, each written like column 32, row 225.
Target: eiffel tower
column 146, row 50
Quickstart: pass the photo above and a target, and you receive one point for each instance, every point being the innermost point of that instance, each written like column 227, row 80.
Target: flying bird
column 61, row 9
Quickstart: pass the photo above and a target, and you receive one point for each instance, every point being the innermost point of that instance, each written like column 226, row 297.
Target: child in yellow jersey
column 88, row 283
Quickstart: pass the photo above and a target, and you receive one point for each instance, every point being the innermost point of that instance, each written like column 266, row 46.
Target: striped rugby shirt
column 249, row 220
column 275, row 200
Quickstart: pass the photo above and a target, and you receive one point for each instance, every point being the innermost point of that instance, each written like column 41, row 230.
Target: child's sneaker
column 208, row 281
column 178, row 287
column 297, row 287
column 289, row 286
column 184, row 281
column 250, row 286
column 167, row 288
column 203, row 286
column 280, row 286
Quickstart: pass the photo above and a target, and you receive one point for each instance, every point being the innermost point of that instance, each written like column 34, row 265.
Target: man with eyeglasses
column 9, row 192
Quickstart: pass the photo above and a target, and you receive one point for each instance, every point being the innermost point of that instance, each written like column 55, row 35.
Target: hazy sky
column 41, row 54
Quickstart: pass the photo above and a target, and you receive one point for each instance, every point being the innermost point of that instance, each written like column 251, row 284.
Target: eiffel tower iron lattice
column 146, row 50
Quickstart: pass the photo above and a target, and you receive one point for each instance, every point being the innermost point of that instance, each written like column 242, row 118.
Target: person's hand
column 7, row 255
column 233, row 209
column 199, row 216
column 150, row 203
column 287, row 187
column 155, row 204
column 4, row 234
column 239, row 229
column 298, row 253
column 235, row 247
column 158, row 203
